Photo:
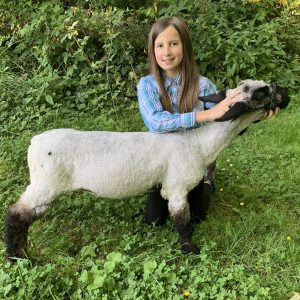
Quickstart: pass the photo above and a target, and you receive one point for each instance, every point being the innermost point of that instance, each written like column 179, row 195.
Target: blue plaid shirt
column 155, row 117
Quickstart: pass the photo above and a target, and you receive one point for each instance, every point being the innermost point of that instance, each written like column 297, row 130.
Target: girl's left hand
column 272, row 113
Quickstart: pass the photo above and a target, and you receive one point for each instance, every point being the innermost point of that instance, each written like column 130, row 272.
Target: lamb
column 113, row 164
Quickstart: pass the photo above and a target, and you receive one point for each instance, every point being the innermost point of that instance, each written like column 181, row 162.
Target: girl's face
column 168, row 51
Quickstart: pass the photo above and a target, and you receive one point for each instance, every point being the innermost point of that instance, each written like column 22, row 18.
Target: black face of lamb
column 282, row 97
column 267, row 97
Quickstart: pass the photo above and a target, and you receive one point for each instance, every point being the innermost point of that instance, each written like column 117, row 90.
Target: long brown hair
column 189, row 70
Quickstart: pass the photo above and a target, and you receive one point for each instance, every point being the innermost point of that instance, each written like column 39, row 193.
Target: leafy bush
column 234, row 40
column 74, row 58
column 87, row 56
column 82, row 56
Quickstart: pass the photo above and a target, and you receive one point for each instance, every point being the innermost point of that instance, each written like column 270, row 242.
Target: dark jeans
column 198, row 199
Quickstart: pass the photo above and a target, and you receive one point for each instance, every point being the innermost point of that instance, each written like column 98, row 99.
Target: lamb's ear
column 214, row 98
column 234, row 112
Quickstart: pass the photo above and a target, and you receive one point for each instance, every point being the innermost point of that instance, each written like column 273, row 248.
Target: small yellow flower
column 34, row 47
column 283, row 2
column 221, row 189
column 295, row 4
column 289, row 238
column 75, row 32
column 186, row 293
column 242, row 203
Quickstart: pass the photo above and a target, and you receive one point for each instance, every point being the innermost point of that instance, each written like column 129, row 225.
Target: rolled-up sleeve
column 155, row 117
column 207, row 88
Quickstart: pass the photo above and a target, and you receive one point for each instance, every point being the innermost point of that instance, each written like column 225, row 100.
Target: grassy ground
column 87, row 248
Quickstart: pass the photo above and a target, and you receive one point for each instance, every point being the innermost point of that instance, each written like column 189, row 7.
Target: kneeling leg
column 199, row 200
column 156, row 208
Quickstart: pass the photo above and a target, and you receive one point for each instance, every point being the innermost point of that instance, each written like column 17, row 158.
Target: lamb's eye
column 259, row 96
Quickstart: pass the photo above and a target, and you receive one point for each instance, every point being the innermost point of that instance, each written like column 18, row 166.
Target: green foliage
column 69, row 59
column 234, row 40
column 119, row 276
column 86, row 56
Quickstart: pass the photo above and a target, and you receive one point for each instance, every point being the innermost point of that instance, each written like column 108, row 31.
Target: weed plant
column 76, row 64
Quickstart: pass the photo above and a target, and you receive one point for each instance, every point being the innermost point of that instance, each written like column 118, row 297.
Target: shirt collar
column 169, row 81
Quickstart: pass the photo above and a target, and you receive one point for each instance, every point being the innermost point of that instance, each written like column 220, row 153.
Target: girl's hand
column 220, row 109
column 269, row 114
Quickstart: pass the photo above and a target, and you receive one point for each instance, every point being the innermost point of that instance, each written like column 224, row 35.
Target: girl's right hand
column 220, row 109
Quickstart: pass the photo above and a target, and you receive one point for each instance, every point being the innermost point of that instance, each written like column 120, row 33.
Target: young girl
column 168, row 101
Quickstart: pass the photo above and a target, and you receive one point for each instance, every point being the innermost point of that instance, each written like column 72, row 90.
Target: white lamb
column 124, row 164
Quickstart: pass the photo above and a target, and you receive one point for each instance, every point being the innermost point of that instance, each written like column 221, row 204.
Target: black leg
column 184, row 230
column 156, row 208
column 16, row 231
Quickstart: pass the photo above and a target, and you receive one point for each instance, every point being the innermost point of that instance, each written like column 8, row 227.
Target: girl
column 168, row 101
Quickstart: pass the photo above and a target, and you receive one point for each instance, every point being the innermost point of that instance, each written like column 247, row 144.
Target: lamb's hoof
column 190, row 248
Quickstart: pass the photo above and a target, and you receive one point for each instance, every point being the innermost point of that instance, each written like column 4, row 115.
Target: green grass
column 88, row 248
